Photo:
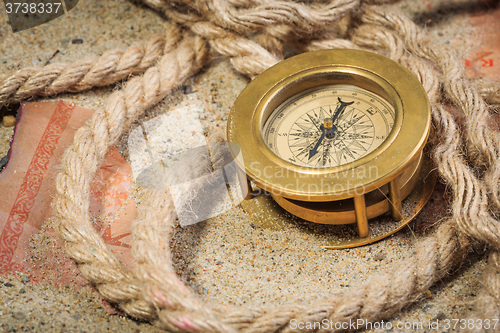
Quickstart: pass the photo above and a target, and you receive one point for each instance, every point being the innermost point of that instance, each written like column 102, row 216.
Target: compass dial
column 329, row 126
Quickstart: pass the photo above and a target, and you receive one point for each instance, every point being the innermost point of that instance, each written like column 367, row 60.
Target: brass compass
column 335, row 137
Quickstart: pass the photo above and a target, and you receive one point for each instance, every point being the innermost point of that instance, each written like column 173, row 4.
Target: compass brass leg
column 395, row 200
column 361, row 219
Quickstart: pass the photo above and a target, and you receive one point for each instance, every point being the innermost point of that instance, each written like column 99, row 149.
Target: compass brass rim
column 370, row 71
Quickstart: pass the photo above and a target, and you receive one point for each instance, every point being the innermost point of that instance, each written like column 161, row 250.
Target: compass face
column 328, row 126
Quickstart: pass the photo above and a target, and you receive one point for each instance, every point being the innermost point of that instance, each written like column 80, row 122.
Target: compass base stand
column 268, row 214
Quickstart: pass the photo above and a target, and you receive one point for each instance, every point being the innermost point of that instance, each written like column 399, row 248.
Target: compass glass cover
column 328, row 126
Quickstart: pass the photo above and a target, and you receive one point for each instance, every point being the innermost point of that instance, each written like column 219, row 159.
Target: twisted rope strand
column 303, row 18
column 483, row 143
column 81, row 160
column 178, row 309
column 375, row 300
column 112, row 66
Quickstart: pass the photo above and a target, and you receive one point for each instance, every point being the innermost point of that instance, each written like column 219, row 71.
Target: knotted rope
column 256, row 34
